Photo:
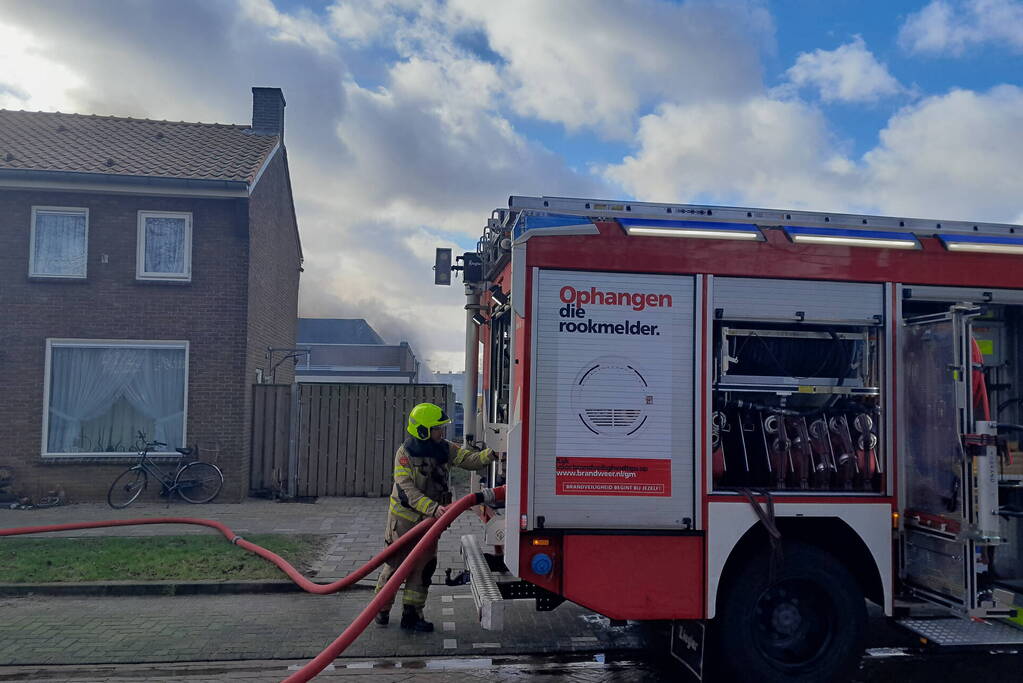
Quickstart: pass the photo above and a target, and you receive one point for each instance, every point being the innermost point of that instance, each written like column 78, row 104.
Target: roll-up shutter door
column 976, row 295
column 798, row 300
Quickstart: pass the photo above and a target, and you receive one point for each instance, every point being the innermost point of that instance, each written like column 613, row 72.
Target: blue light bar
column 551, row 223
column 983, row 243
column 652, row 227
column 850, row 237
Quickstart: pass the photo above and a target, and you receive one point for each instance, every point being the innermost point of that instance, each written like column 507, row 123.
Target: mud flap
column 687, row 638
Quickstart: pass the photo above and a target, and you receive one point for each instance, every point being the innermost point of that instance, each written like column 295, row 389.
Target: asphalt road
column 629, row 667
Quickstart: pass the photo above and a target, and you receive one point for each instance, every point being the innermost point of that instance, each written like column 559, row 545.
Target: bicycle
column 194, row 481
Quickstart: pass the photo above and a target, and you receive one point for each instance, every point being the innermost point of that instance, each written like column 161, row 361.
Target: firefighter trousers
column 417, row 585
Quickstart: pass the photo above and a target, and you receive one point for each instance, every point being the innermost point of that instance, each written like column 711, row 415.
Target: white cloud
column 301, row 28
column 429, row 148
column 762, row 151
column 953, row 156
column 356, row 22
column 849, row 73
column 29, row 78
column 597, row 63
column 586, row 64
column 428, row 154
column 364, row 21
column 953, row 27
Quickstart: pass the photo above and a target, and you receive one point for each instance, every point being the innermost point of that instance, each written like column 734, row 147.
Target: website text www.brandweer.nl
column 618, row 472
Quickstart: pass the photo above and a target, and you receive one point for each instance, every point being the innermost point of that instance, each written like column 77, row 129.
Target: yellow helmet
column 423, row 417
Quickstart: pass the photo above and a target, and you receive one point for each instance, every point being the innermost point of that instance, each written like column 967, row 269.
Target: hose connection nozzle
column 490, row 496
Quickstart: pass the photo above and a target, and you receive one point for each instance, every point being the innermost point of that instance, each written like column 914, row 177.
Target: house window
column 59, row 242
column 100, row 394
column 164, row 246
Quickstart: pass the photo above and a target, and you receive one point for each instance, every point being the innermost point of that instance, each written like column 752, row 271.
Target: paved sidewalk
column 356, row 525
column 110, row 630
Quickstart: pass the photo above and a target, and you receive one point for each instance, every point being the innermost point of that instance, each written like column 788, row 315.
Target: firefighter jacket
column 421, row 475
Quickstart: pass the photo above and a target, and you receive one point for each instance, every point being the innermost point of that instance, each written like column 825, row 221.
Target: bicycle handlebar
column 147, row 444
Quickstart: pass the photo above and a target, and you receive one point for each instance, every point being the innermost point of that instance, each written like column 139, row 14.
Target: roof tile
column 51, row 141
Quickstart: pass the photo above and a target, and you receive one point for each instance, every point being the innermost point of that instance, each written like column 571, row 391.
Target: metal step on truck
column 747, row 423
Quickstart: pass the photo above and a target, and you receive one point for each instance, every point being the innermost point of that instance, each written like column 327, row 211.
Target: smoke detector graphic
column 611, row 396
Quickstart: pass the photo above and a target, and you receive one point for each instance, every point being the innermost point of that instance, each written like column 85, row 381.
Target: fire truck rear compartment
column 961, row 544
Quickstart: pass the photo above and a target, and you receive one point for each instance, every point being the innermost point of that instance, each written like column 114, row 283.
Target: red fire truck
column 748, row 423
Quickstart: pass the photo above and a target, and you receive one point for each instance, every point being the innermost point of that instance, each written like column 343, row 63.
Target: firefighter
column 421, row 490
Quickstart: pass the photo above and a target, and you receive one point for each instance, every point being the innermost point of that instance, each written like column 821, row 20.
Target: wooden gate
column 271, row 427
column 345, row 436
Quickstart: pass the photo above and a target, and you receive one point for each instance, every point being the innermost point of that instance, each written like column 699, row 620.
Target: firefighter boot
column 412, row 621
column 383, row 617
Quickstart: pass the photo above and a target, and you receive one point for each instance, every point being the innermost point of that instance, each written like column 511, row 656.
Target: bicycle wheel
column 199, row 482
column 127, row 487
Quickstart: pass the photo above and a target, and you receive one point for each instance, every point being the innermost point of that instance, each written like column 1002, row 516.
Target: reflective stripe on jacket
column 421, row 478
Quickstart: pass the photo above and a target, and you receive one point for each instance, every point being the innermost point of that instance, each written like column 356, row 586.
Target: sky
column 409, row 121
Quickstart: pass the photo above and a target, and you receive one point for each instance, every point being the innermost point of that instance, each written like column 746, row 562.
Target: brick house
column 146, row 268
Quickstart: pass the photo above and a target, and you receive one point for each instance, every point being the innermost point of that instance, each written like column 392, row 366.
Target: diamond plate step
column 954, row 631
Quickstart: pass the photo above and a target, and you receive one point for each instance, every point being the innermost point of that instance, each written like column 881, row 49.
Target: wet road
column 879, row 665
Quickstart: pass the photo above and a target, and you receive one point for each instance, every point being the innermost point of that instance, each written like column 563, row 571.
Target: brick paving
column 106, row 630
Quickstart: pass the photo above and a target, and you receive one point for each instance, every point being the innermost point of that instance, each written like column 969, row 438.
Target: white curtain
column 80, row 390
column 115, row 431
column 59, row 244
column 165, row 244
column 157, row 391
column 93, row 385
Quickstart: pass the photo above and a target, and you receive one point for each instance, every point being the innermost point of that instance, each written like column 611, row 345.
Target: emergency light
column 652, row 227
column 981, row 243
column 852, row 238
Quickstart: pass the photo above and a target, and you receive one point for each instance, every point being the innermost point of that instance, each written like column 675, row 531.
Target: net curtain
column 165, row 245
column 87, row 382
column 59, row 244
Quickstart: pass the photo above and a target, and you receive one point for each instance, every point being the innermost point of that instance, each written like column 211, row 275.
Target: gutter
column 121, row 184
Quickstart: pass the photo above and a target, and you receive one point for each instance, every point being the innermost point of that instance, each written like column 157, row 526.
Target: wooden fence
column 344, row 438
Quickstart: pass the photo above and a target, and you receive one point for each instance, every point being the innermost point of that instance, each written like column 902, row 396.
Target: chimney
column 268, row 112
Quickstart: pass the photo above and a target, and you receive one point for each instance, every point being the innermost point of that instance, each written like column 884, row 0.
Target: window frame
column 140, row 250
column 106, row 343
column 76, row 210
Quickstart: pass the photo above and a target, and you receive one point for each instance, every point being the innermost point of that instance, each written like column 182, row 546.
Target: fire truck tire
column 807, row 624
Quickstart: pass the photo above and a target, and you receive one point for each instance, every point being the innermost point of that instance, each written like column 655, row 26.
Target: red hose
column 432, row 528
column 303, row 583
column 355, row 629
column 981, row 406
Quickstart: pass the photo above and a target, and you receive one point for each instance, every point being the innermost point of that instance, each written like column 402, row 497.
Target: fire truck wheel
column 807, row 624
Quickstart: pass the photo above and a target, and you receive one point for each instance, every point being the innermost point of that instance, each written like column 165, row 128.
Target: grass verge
column 149, row 558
